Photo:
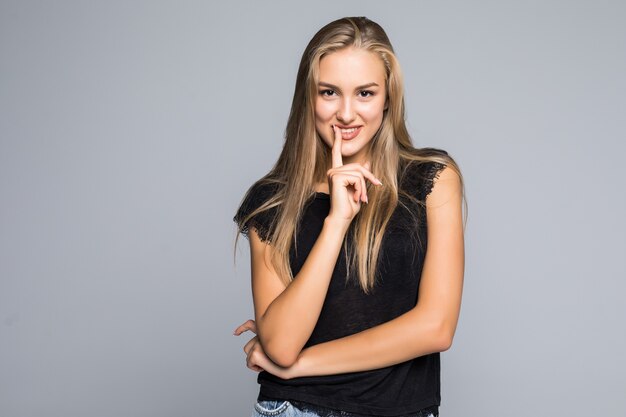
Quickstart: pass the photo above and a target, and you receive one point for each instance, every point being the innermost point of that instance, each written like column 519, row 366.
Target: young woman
column 356, row 241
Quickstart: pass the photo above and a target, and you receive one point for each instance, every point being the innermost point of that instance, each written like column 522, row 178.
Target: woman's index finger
column 336, row 151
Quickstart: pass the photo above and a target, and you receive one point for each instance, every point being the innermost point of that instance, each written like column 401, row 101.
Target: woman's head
column 356, row 53
column 309, row 134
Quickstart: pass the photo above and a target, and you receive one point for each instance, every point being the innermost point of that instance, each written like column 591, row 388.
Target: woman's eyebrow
column 334, row 87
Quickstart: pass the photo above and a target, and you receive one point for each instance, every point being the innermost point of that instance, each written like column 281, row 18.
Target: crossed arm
column 286, row 316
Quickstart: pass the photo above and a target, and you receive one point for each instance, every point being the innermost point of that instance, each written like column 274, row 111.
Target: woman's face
column 352, row 95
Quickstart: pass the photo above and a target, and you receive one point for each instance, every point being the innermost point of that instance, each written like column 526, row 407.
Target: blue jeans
column 279, row 408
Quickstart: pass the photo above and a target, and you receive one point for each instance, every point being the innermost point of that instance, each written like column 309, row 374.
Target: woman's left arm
column 427, row 328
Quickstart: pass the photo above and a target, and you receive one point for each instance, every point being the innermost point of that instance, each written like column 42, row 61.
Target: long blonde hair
column 305, row 156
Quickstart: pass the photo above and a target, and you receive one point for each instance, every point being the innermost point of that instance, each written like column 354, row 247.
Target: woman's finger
column 359, row 176
column 364, row 190
column 251, row 364
column 248, row 325
column 361, row 169
column 258, row 361
column 365, row 172
column 355, row 182
column 336, row 151
column 248, row 346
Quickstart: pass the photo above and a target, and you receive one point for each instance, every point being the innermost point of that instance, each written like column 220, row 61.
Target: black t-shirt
column 391, row 391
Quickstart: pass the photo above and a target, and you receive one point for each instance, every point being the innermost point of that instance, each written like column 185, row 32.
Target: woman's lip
column 349, row 135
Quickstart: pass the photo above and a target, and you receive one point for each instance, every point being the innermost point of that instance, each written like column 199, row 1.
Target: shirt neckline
column 321, row 196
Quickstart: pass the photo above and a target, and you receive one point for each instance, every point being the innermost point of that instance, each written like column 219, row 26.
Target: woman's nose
column 345, row 113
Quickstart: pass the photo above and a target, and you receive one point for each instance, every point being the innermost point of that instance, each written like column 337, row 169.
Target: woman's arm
column 429, row 327
column 286, row 316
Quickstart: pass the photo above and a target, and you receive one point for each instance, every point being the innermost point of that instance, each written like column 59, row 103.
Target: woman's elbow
column 280, row 354
column 444, row 342
column 443, row 338
column 277, row 348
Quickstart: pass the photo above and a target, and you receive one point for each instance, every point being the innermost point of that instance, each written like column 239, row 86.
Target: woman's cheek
column 323, row 116
column 324, row 111
column 374, row 113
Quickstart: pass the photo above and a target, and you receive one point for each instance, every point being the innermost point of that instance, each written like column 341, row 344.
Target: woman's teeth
column 348, row 130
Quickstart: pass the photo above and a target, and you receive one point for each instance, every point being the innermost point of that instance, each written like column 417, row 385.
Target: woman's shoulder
column 419, row 173
column 261, row 191
column 257, row 209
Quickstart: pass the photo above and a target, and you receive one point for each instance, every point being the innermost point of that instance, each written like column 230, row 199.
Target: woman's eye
column 327, row 93
column 366, row 93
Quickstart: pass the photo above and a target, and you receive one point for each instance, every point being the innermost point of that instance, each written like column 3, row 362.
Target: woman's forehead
column 351, row 66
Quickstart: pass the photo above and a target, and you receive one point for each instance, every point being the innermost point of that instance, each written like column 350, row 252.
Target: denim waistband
column 329, row 412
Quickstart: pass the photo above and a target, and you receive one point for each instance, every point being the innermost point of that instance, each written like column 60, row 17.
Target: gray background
column 130, row 131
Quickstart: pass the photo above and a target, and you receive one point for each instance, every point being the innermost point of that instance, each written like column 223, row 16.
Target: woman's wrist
column 337, row 224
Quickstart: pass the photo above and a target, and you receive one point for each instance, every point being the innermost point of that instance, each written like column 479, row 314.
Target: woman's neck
column 322, row 187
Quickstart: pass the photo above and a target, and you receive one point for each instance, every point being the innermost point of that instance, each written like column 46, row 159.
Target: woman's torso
column 391, row 391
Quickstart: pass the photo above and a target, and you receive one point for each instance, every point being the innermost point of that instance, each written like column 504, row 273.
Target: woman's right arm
column 286, row 315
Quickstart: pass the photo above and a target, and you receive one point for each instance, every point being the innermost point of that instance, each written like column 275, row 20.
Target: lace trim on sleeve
column 431, row 173
column 419, row 177
column 261, row 229
column 262, row 222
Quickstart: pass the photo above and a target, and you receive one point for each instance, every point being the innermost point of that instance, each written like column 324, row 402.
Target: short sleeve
column 421, row 176
column 262, row 222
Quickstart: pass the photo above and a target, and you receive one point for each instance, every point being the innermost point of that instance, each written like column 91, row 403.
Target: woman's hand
column 347, row 183
column 256, row 359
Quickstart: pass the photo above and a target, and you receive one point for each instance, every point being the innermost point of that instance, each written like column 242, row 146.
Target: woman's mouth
column 350, row 133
